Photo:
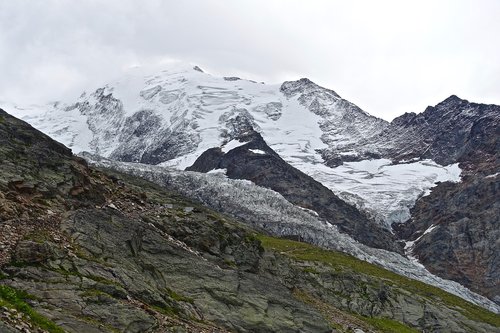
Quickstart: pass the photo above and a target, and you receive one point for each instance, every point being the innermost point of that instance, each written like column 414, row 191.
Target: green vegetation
column 97, row 323
column 15, row 299
column 345, row 263
column 167, row 311
column 338, row 318
column 230, row 263
column 95, row 294
column 179, row 298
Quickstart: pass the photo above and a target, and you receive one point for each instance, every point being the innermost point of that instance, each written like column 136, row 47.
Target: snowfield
column 385, row 191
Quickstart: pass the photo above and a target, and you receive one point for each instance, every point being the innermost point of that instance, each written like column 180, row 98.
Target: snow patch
column 221, row 172
column 258, row 151
column 493, row 175
column 409, row 245
column 231, row 145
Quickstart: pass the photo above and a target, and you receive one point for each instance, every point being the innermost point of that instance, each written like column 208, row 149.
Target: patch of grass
column 179, row 298
column 167, row 311
column 82, row 254
column 346, row 263
column 95, row 278
column 389, row 325
column 102, row 280
column 251, row 237
column 22, row 264
column 15, row 299
column 93, row 293
column 339, row 319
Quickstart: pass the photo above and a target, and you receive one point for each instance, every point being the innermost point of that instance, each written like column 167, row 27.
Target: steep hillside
column 266, row 210
column 455, row 231
column 85, row 250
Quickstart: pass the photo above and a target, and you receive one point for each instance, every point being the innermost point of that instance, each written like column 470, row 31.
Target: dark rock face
column 464, row 245
column 446, row 133
column 163, row 143
column 304, row 85
column 269, row 170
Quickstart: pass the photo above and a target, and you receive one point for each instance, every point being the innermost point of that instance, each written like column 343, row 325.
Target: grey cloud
column 387, row 56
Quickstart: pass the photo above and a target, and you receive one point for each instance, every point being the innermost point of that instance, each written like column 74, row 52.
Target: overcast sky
column 388, row 57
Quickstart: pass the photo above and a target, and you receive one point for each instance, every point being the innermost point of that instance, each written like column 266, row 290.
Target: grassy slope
column 306, row 252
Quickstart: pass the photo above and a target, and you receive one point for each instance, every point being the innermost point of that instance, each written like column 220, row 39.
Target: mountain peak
column 452, row 100
column 303, row 85
column 196, row 68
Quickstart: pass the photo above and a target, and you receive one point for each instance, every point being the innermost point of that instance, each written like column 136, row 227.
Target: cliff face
column 463, row 243
column 452, row 131
column 97, row 251
column 455, row 229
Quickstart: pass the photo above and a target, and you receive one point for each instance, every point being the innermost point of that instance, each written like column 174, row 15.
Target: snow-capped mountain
column 171, row 117
column 181, row 117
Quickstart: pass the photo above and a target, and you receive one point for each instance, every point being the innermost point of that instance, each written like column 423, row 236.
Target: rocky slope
column 85, row 250
column 266, row 210
column 461, row 239
column 454, row 231
column 450, row 132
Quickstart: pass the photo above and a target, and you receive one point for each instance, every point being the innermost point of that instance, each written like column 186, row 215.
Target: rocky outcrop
column 462, row 222
column 106, row 252
column 452, row 131
column 255, row 161
column 456, row 228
